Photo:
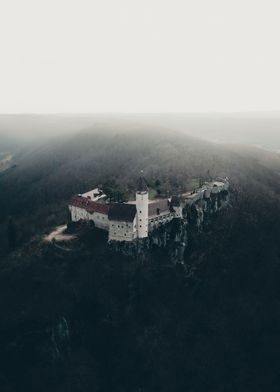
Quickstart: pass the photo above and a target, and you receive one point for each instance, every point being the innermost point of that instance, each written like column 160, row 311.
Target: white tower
column 142, row 207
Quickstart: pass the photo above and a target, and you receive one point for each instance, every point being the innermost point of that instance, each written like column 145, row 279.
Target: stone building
column 137, row 218
column 123, row 221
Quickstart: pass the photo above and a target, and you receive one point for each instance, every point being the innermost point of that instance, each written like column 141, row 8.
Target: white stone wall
column 219, row 186
column 78, row 213
column 122, row 231
column 101, row 221
column 142, row 224
column 142, row 206
column 156, row 220
column 192, row 198
column 178, row 211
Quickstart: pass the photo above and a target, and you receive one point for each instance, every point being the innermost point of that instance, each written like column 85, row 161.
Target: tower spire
column 142, row 185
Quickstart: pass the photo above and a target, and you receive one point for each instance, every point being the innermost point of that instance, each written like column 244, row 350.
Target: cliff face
column 173, row 237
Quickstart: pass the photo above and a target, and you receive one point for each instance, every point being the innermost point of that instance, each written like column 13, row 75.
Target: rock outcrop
column 174, row 236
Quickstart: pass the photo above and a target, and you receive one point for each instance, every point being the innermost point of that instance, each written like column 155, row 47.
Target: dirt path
column 58, row 235
column 5, row 161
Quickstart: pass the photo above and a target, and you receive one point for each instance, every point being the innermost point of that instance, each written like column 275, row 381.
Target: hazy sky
column 139, row 55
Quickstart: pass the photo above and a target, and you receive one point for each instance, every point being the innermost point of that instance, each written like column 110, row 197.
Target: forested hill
column 93, row 320
column 260, row 129
column 47, row 172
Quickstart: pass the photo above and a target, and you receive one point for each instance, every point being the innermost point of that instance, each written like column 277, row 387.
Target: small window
column 140, row 226
column 140, row 212
column 125, row 234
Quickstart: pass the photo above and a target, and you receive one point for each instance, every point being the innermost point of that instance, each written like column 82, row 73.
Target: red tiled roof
column 89, row 205
column 158, row 207
column 118, row 211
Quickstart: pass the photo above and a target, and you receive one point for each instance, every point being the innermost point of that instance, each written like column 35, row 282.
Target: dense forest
column 91, row 319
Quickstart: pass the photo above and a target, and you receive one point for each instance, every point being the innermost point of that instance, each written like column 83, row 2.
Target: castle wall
column 100, row 220
column 78, row 214
column 156, row 220
column 178, row 211
column 194, row 210
column 122, row 231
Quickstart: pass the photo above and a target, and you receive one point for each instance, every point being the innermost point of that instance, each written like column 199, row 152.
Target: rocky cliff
column 173, row 237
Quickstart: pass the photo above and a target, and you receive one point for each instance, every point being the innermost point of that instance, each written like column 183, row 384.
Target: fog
column 257, row 129
column 139, row 56
column 209, row 69
column 170, row 283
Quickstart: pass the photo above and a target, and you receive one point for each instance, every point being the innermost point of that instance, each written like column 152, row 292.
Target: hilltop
column 45, row 175
column 91, row 319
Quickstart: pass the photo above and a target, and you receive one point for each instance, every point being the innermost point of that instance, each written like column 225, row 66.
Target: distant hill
column 258, row 129
column 90, row 319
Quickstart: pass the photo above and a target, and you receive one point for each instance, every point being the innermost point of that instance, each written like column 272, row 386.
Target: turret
column 142, row 206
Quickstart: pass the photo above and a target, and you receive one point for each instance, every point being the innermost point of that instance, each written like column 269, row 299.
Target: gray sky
column 139, row 55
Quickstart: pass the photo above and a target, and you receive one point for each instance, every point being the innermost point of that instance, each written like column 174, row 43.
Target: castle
column 135, row 219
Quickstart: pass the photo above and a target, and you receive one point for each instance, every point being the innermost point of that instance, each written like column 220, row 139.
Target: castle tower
column 142, row 206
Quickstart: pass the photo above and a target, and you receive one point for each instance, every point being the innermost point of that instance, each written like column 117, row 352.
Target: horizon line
column 138, row 113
